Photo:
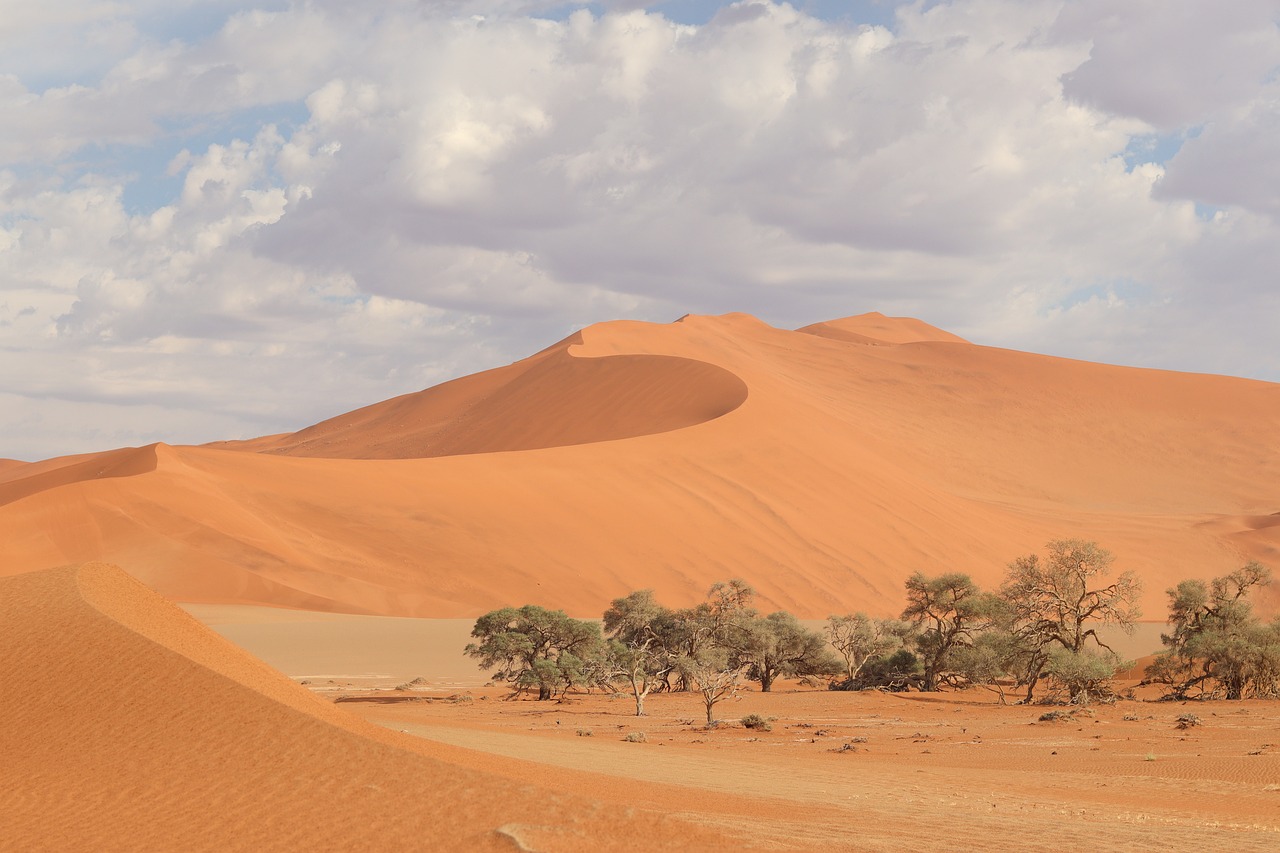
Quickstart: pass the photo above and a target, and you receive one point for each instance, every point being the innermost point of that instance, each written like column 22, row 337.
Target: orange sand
column 906, row 772
column 129, row 726
column 823, row 467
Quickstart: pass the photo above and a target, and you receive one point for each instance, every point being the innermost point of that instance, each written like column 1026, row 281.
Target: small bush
column 635, row 737
column 585, row 733
column 1186, row 721
column 757, row 722
column 1055, row 716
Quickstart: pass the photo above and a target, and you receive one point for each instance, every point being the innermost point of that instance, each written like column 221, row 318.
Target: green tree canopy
column 536, row 648
column 778, row 645
column 1218, row 646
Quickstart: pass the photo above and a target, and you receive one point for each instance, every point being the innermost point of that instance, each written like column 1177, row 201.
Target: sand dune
column 669, row 456
column 876, row 328
column 551, row 400
column 129, row 726
column 20, row 481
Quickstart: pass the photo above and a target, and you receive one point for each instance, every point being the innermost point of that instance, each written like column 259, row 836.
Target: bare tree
column 858, row 638
column 716, row 674
column 1056, row 604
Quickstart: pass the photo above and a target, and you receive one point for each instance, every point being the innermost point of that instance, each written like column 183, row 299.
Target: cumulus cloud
column 471, row 179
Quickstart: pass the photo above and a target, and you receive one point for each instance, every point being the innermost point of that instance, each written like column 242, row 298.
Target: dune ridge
column 552, row 399
column 824, row 473
column 130, row 726
column 875, row 328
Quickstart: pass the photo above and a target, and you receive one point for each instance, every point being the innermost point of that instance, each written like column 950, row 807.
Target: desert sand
column 848, row 771
column 131, row 726
column 822, row 465
column 128, row 725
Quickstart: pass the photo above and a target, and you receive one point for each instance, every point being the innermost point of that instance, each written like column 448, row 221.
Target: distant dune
column 127, row 725
column 823, row 465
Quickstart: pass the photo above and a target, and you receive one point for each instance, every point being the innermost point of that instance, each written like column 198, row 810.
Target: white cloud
column 471, row 183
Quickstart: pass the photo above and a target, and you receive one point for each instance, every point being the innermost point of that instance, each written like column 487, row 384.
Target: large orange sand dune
column 127, row 725
column 822, row 465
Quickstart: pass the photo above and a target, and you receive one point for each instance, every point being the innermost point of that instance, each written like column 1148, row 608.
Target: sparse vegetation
column 757, row 722
column 1051, row 608
column 1218, row 648
column 948, row 610
column 1041, row 626
column 535, row 648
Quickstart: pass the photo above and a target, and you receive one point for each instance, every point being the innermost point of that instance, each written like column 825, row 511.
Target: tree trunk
column 710, row 705
column 1031, row 686
column 766, row 682
column 544, row 692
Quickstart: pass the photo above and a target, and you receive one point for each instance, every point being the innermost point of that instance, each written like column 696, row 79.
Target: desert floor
column 864, row 771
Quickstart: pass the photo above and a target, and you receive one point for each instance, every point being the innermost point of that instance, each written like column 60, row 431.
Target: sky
column 222, row 219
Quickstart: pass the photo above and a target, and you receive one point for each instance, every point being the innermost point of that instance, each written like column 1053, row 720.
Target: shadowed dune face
column 129, row 726
column 19, row 481
column 824, row 471
column 552, row 400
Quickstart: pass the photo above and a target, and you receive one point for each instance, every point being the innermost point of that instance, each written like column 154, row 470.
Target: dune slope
column 820, row 468
column 129, row 726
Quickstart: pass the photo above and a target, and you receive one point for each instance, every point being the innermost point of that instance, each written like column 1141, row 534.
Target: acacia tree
column 637, row 625
column 857, row 638
column 1053, row 607
column 717, row 622
column 778, row 645
column 990, row 660
column 948, row 609
column 1218, row 645
column 533, row 647
column 716, row 674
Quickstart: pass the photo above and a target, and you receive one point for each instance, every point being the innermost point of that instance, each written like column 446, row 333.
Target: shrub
column 1186, row 721
column 635, row 737
column 757, row 722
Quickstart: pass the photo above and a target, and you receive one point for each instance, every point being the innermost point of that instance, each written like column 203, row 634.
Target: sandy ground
column 865, row 771
column 128, row 726
column 871, row 771
column 131, row 726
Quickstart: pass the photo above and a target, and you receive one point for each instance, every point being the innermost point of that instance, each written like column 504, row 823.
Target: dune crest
column 557, row 398
column 19, row 482
column 130, row 726
column 876, row 328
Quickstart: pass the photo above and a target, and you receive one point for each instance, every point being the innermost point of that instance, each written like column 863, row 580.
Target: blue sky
column 226, row 218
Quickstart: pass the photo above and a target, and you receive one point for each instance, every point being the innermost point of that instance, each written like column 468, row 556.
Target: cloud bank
column 244, row 218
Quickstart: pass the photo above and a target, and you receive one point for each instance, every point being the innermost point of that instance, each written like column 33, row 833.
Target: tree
column 1218, row 645
column 1056, row 604
column 858, row 639
column 948, row 609
column 533, row 647
column 1084, row 673
column 991, row 659
column 719, row 621
column 778, row 645
column 637, row 626
column 715, row 673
